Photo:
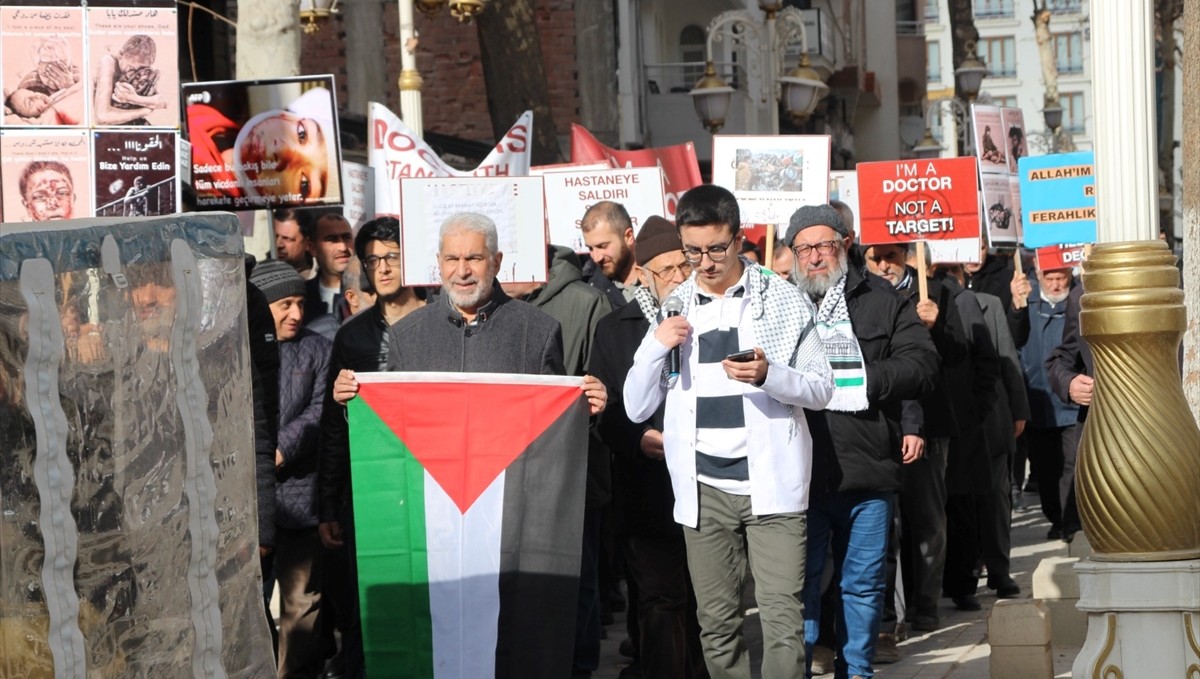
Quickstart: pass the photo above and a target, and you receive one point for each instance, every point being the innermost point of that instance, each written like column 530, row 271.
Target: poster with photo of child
column 990, row 139
column 42, row 69
column 1013, row 121
column 133, row 56
column 45, row 175
column 135, row 173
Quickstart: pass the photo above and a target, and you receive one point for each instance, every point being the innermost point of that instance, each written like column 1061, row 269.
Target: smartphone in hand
column 741, row 356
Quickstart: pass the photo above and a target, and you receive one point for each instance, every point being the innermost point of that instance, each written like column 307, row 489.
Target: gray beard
column 1055, row 299
column 816, row 286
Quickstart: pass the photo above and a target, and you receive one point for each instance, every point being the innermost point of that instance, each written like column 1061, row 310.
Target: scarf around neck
column 843, row 351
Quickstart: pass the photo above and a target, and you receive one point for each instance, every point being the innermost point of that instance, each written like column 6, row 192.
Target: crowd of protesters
column 815, row 422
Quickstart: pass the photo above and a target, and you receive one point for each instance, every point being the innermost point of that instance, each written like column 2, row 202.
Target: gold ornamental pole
column 1138, row 471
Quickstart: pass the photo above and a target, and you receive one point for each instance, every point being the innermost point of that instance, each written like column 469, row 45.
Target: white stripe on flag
column 464, row 580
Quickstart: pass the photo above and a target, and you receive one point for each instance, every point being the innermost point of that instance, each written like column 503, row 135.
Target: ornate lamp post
column 312, row 11
column 929, row 146
column 410, row 79
column 765, row 39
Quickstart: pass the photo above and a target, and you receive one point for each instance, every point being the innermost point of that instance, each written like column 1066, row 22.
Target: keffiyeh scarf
column 842, row 350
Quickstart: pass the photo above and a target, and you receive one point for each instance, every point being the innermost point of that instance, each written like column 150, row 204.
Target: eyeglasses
column 669, row 273
column 825, row 247
column 372, row 261
column 716, row 253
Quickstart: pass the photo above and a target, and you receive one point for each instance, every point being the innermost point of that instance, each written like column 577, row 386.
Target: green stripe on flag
column 848, row 382
column 393, row 562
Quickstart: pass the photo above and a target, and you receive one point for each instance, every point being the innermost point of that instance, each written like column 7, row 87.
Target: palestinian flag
column 468, row 512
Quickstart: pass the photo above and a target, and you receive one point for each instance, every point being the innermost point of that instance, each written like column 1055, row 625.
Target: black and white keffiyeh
column 842, row 350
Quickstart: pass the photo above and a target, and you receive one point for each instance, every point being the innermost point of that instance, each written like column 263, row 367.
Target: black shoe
column 633, row 671
column 924, row 623
column 1031, row 487
column 627, row 649
column 1054, row 534
column 1005, row 586
column 967, row 603
column 1068, row 536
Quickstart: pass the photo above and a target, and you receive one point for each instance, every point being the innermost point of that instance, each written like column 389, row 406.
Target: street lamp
column 1053, row 139
column 800, row 89
column 410, row 78
column 313, row 10
column 929, row 147
column 970, row 74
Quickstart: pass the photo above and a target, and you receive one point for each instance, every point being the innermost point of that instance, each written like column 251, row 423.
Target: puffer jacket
column 861, row 451
column 303, row 370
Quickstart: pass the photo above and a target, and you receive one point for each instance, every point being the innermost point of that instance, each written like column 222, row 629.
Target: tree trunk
column 962, row 31
column 515, row 76
column 1191, row 210
column 1041, row 25
column 268, row 39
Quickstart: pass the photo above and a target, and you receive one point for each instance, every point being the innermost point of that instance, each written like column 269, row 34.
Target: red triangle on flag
column 465, row 434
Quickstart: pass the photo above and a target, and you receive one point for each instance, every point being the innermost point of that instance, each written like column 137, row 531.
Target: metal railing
column 994, row 9
column 158, row 199
column 680, row 77
column 910, row 27
column 1065, row 6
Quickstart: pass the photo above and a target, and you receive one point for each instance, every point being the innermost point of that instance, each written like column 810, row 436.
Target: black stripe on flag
column 541, row 536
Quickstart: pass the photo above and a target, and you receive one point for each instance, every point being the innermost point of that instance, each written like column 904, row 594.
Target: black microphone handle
column 673, row 361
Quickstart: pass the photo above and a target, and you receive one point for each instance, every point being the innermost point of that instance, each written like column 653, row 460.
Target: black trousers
column 666, row 608
column 1052, row 461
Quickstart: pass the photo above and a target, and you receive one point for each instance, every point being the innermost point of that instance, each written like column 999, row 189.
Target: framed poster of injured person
column 913, row 201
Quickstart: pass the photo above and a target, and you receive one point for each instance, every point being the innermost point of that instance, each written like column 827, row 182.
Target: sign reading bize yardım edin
column 1058, row 199
column 911, row 200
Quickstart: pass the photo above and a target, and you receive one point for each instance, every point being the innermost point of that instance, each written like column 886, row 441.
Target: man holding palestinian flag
column 468, row 488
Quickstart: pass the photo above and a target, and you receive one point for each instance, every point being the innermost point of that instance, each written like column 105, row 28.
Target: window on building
column 1065, row 6
column 933, row 61
column 1068, row 52
column 931, row 11
column 1000, row 56
column 691, row 52
column 1073, row 112
column 993, row 9
column 1009, row 101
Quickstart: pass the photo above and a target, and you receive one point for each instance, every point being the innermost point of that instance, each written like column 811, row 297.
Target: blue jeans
column 857, row 526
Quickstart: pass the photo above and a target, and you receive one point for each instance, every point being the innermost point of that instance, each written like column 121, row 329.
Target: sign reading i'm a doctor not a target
column 901, row 201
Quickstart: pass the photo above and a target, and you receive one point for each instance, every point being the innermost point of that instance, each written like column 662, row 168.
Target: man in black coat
column 653, row 545
column 881, row 355
column 304, row 363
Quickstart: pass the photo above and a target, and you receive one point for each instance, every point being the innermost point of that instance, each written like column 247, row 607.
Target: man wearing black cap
column 652, row 543
column 881, row 355
column 303, row 368
column 737, row 450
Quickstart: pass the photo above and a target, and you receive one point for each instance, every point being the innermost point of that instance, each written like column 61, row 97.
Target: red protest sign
column 1059, row 256
column 681, row 170
column 901, row 201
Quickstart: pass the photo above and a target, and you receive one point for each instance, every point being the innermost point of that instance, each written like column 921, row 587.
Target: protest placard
column 843, row 186
column 990, row 147
column 133, row 57
column 1063, row 256
column 539, row 170
column 397, row 153
column 1013, row 122
column 136, row 173
column 954, row 251
column 43, row 72
column 998, row 209
column 46, row 174
column 1058, row 199
column 570, row 194
column 515, row 204
column 681, row 170
column 1014, row 190
column 772, row 176
column 358, row 189
column 264, row 144
column 909, row 200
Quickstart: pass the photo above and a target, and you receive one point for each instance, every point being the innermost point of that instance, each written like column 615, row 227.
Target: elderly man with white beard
column 881, row 354
column 1049, row 434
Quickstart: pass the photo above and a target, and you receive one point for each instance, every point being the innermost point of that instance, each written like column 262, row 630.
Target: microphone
column 673, row 307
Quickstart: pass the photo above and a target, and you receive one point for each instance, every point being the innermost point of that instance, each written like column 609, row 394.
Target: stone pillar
column 1123, row 115
column 1191, row 208
column 1139, row 456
